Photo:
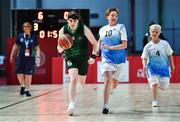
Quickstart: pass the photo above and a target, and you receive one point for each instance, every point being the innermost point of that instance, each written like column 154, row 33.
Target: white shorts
column 117, row 68
column 163, row 82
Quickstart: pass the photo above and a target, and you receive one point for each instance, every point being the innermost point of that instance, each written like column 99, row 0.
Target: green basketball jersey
column 80, row 42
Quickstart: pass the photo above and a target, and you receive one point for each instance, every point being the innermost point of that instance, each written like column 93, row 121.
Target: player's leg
column 114, row 83
column 73, row 74
column 82, row 70
column 116, row 74
column 82, row 79
column 164, row 83
column 154, row 85
column 107, row 77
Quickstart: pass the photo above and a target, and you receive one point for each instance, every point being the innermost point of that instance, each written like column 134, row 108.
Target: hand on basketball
column 65, row 41
column 91, row 61
column 60, row 50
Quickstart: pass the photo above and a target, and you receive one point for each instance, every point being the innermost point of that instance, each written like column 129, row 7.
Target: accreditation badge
column 27, row 52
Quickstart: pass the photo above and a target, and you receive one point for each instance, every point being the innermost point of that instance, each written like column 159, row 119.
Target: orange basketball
column 65, row 41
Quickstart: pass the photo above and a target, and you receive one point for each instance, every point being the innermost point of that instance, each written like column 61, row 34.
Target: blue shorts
column 25, row 65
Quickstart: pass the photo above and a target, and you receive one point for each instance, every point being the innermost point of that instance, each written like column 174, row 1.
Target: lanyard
column 26, row 40
column 26, row 43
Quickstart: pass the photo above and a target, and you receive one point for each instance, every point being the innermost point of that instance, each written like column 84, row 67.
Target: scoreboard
column 46, row 23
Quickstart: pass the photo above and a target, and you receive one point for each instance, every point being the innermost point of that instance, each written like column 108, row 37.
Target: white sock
column 27, row 90
column 106, row 106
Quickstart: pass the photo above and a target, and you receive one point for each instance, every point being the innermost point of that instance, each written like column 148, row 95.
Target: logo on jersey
column 69, row 63
column 31, row 41
column 21, row 40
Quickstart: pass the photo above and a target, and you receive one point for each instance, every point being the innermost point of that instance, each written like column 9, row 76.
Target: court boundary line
column 7, row 106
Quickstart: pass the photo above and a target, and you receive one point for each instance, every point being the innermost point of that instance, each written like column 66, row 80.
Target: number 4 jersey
column 113, row 35
column 157, row 58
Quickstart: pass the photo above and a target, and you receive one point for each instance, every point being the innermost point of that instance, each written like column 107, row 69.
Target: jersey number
column 157, row 53
column 108, row 33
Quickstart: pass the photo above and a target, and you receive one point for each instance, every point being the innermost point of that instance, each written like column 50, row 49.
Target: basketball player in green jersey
column 77, row 57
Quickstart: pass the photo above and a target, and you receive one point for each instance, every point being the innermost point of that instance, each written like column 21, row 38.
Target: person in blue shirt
column 156, row 59
column 28, row 54
column 113, row 42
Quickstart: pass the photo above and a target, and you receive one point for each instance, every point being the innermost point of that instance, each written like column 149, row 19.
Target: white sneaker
column 71, row 109
column 155, row 103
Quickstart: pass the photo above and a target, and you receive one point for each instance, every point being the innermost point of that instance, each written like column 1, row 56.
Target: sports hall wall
column 135, row 14
column 52, row 69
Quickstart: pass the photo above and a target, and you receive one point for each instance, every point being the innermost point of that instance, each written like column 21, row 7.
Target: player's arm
column 91, row 39
column 61, row 31
column 116, row 47
column 144, row 58
column 13, row 52
column 169, row 53
column 99, row 47
column 124, row 44
column 172, row 66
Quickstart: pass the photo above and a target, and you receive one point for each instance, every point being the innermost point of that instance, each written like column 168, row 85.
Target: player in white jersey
column 156, row 59
column 113, row 42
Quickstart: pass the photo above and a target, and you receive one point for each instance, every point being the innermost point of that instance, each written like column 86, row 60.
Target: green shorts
column 81, row 63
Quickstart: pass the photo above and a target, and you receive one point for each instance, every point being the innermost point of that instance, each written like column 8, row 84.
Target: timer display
column 46, row 23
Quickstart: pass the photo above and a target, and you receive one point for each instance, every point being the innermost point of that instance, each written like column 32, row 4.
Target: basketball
column 65, row 41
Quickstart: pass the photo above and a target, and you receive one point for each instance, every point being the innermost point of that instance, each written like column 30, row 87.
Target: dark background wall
column 4, row 24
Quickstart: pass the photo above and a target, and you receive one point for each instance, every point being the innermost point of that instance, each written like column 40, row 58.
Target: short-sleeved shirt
column 157, row 58
column 24, row 42
column 113, row 35
column 26, row 64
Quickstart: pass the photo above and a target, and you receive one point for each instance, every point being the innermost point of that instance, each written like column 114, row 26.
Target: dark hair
column 109, row 10
column 73, row 15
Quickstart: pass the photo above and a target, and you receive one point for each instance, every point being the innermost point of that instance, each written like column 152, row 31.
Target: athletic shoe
column 22, row 91
column 155, row 103
column 28, row 94
column 105, row 110
column 71, row 109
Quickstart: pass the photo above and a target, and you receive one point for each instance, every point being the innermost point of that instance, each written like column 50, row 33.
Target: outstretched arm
column 116, row 47
column 91, row 39
column 172, row 66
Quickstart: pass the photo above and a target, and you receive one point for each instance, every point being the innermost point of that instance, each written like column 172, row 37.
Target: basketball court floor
column 130, row 102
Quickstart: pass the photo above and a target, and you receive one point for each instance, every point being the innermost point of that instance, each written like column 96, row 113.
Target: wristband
column 93, row 56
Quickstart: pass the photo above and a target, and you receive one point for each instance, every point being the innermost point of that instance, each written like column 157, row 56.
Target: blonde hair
column 155, row 26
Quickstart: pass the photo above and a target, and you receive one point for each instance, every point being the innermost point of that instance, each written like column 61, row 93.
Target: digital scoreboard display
column 46, row 23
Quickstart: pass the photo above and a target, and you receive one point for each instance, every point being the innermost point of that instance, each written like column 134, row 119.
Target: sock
column 27, row 90
column 105, row 105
